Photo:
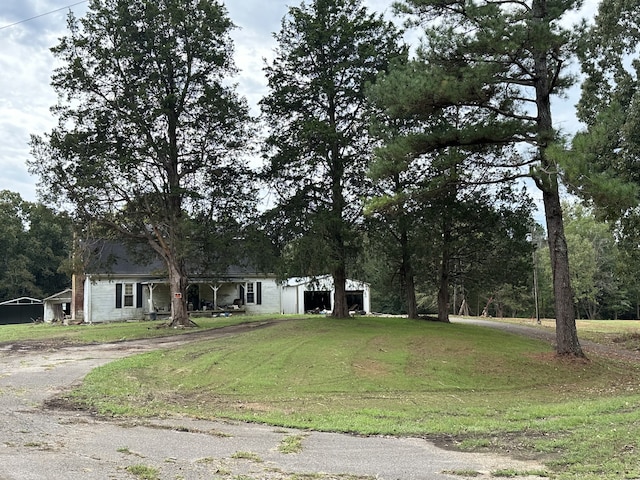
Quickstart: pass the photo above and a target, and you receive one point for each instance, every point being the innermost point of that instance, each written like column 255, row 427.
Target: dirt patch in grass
column 518, row 445
column 370, row 368
column 64, row 403
column 628, row 341
column 552, row 358
column 35, row 345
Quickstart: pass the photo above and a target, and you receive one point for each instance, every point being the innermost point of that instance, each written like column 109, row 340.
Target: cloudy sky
column 29, row 28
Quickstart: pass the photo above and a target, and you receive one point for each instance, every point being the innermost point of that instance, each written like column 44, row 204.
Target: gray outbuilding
column 316, row 295
column 57, row 308
column 21, row 310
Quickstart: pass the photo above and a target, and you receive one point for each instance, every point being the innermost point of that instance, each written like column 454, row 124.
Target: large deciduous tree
column 603, row 165
column 150, row 131
column 36, row 242
column 593, row 261
column 497, row 64
column 318, row 146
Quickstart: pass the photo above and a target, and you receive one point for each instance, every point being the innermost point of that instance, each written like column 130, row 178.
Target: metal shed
column 21, row 310
column 316, row 294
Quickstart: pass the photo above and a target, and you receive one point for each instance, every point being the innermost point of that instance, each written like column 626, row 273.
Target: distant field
column 622, row 333
column 582, row 325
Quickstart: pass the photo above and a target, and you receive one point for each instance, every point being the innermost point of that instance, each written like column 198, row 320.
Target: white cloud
column 26, row 66
column 25, row 93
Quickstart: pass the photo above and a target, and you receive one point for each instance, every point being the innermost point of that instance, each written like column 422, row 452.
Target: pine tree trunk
column 410, row 295
column 443, row 297
column 566, row 333
column 443, row 288
column 444, row 300
column 547, row 180
column 409, row 289
column 408, row 280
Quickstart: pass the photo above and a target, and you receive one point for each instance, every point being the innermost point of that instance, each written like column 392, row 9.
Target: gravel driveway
column 40, row 443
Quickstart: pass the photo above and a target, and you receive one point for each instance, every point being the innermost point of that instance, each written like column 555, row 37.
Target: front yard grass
column 111, row 331
column 472, row 387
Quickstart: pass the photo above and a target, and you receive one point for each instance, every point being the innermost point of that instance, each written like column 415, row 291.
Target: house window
column 128, row 294
column 254, row 293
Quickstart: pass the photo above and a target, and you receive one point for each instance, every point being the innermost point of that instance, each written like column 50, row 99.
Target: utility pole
column 535, row 278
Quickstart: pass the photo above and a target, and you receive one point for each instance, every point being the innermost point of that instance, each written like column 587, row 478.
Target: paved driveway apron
column 39, row 443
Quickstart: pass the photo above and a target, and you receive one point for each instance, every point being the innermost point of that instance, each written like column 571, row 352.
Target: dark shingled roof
column 113, row 258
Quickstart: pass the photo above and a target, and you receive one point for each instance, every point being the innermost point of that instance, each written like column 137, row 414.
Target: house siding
column 270, row 297
column 104, row 298
column 102, row 304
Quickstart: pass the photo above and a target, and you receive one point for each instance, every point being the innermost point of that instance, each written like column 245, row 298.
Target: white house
column 307, row 294
column 118, row 286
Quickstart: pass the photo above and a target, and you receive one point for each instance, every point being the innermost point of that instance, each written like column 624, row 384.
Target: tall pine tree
column 497, row 64
column 318, row 146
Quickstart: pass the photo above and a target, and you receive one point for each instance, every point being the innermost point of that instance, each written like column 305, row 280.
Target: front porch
column 204, row 297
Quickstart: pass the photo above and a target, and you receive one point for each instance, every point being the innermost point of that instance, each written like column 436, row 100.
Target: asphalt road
column 38, row 443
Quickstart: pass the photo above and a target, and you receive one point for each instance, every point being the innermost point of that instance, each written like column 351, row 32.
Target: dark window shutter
column 259, row 293
column 118, row 295
column 138, row 295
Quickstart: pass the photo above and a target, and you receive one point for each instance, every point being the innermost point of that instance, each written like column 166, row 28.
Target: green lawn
column 108, row 332
column 481, row 388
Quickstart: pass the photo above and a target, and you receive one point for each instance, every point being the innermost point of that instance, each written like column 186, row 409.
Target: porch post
column 152, row 287
column 215, row 289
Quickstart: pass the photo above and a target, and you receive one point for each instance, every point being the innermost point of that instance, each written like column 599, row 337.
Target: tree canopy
column 36, row 244
column 601, row 165
column 151, row 133
column 318, row 147
column 492, row 66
